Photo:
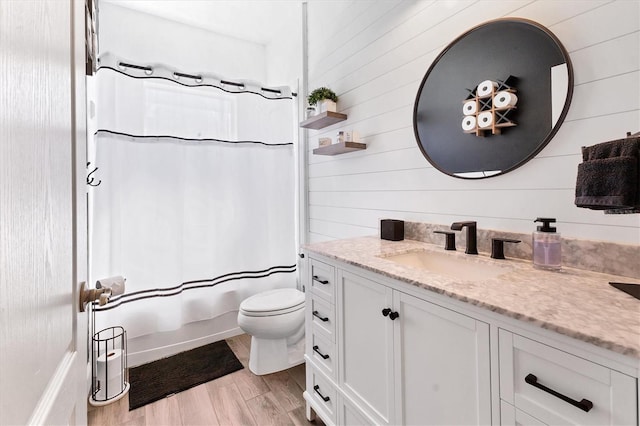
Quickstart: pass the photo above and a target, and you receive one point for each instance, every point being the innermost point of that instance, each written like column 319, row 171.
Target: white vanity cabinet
column 400, row 359
column 409, row 361
column 382, row 351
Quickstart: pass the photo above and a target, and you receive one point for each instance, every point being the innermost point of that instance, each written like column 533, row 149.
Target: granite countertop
column 574, row 302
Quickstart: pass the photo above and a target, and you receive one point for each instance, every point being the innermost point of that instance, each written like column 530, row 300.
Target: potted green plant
column 324, row 99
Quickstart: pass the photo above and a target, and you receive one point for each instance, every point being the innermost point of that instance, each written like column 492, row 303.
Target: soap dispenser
column 547, row 246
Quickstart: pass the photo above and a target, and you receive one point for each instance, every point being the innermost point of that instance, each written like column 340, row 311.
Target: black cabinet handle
column 315, row 349
column 323, row 319
column 584, row 405
column 316, row 278
column 386, row 312
column 324, row 398
column 301, row 255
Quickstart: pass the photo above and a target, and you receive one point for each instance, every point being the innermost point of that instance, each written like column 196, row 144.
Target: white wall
column 145, row 38
column 284, row 52
column 374, row 56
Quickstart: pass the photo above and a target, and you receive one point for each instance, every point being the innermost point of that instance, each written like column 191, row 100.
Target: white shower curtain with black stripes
column 195, row 206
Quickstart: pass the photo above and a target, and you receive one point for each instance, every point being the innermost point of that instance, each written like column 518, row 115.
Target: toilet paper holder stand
column 108, row 366
column 108, row 347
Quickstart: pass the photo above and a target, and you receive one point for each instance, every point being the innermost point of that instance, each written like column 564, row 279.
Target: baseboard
column 143, row 357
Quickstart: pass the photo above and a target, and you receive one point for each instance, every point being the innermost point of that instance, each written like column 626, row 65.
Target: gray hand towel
column 609, row 177
column 627, row 147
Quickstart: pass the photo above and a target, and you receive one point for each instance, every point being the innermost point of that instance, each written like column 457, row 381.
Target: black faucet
column 472, row 242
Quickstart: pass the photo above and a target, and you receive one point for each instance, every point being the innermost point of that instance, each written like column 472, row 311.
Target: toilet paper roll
column 504, row 99
column 485, row 119
column 109, row 365
column 470, row 107
column 109, row 389
column 115, row 284
column 469, row 123
column 486, row 87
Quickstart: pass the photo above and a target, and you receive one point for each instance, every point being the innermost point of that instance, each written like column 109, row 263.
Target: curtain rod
column 121, row 66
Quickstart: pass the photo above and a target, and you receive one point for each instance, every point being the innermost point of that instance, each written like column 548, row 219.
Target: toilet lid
column 273, row 300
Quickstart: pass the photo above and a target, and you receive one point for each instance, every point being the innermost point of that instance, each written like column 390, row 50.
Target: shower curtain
column 195, row 205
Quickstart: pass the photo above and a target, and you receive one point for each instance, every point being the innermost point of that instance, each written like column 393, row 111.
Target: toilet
column 275, row 321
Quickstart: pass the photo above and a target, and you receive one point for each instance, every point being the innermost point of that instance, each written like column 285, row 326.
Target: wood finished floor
column 239, row 398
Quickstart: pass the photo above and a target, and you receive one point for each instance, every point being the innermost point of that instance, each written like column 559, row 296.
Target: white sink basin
column 450, row 265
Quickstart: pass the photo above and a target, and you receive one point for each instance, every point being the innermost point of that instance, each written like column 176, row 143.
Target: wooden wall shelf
column 323, row 119
column 340, row 148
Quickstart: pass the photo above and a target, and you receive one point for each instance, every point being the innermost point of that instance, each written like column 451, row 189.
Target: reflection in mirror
column 515, row 81
column 559, row 88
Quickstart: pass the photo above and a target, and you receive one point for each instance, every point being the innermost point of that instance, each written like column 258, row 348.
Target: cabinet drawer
column 557, row 387
column 322, row 393
column 322, row 351
column 322, row 317
column 322, row 280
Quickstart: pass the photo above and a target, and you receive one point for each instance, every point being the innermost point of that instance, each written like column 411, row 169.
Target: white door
column 43, row 356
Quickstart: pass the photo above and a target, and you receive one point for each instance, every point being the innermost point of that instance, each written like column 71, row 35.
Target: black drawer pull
column 317, row 278
column 315, row 349
column 584, row 405
column 386, row 312
column 324, row 398
column 323, row 319
column 393, row 315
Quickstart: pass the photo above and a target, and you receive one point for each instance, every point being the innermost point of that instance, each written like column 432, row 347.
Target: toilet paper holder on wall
column 88, row 295
column 105, row 288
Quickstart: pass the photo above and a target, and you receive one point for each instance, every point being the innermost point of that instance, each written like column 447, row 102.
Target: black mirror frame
column 547, row 138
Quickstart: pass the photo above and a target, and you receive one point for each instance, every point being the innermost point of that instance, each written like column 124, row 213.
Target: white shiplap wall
column 374, row 54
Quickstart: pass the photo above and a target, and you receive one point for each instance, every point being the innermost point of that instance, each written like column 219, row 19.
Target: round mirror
column 493, row 99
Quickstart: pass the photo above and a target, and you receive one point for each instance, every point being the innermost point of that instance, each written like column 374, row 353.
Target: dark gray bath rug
column 158, row 379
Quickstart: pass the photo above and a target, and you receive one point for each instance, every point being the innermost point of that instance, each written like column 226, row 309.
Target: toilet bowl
column 275, row 321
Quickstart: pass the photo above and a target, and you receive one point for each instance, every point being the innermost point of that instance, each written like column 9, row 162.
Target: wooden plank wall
column 374, row 54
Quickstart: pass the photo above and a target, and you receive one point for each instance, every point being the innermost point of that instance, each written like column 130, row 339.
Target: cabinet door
column 350, row 415
column 442, row 365
column 366, row 345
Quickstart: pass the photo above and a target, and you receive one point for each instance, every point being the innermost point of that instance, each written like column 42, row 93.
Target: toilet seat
column 273, row 302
